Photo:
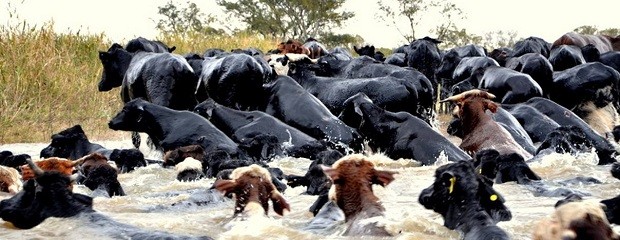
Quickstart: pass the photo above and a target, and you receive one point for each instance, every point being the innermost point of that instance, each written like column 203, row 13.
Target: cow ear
column 491, row 106
column 383, row 177
column 372, row 48
column 172, row 49
column 330, row 172
column 225, row 186
column 279, row 203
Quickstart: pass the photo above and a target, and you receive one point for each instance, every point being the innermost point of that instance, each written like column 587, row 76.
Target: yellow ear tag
column 480, row 171
column 493, row 197
column 452, row 181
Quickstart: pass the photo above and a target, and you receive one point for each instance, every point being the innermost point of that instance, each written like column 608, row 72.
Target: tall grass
column 48, row 81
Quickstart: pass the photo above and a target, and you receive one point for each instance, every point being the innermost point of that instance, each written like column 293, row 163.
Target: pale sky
column 122, row 20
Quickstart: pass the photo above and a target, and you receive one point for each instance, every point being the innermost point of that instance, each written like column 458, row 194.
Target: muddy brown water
column 155, row 200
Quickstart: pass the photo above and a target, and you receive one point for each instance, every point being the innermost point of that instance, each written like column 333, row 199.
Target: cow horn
column 79, row 161
column 454, row 98
column 36, row 169
column 73, row 178
column 315, row 61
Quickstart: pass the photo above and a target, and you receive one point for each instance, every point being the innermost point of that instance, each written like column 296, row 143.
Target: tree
column 341, row 40
column 455, row 37
column 413, row 11
column 586, row 29
column 185, row 19
column 497, row 39
column 285, row 19
column 610, row 32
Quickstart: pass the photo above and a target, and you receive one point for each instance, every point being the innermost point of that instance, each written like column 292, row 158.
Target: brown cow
column 253, row 189
column 62, row 165
column 352, row 178
column 602, row 43
column 575, row 220
column 480, row 131
column 10, row 180
column 292, row 46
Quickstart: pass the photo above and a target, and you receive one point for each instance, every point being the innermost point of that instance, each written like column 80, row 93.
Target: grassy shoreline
column 48, row 81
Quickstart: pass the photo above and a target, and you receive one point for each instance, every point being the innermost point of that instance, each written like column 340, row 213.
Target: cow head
column 253, row 188
column 365, row 50
column 461, row 196
column 189, row 169
column 60, row 165
column 566, row 139
column 48, row 194
column 127, row 159
column 173, row 157
column 99, row 175
column 576, row 220
column 132, row 117
column 352, row 179
column 115, row 63
column 449, row 62
column 262, row 147
column 64, row 142
column 315, row 180
column 15, row 161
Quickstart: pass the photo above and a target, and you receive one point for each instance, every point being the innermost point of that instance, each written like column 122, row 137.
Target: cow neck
column 305, row 77
column 83, row 148
column 228, row 119
column 160, row 124
column 340, row 67
column 374, row 117
column 125, row 59
column 465, row 216
column 359, row 203
column 473, row 115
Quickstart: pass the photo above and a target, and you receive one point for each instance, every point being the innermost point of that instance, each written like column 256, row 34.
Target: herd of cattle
column 225, row 115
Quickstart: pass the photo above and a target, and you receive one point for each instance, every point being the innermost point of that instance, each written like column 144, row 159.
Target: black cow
column 452, row 58
column 315, row 180
column 399, row 135
column 171, row 129
column 143, row 44
column 292, row 104
column 242, row 126
column 424, row 56
column 566, row 139
column 565, row 117
column 341, row 53
column 161, row 78
column 99, row 176
column 508, row 85
column 370, row 52
column 531, row 45
column 233, row 80
column 72, row 143
column 504, row 168
column 316, row 48
column 213, row 52
column 563, row 57
column 501, row 55
column 593, row 82
column 466, row 201
column 388, row 92
column 611, row 59
column 15, row 161
column 396, row 59
column 537, row 66
column 535, row 123
column 50, row 195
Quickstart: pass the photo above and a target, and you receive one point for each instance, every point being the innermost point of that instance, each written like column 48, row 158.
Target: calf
column 352, row 177
column 479, row 130
column 400, row 134
column 97, row 175
column 575, row 220
column 49, row 194
column 72, row 143
column 466, row 201
column 10, row 180
column 253, row 189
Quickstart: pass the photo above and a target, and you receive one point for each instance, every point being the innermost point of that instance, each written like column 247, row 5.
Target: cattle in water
column 602, row 43
column 480, row 131
column 173, row 157
column 537, row 66
column 233, row 80
column 536, row 124
column 145, row 45
column 293, row 105
column 352, row 177
column 189, row 169
column 508, row 85
column 15, row 161
column 315, row 180
column 171, row 129
column 164, row 79
column 504, row 168
column 575, row 220
column 400, row 134
column 565, row 117
column 316, row 48
column 72, row 143
column 565, row 139
column 531, row 45
column 49, row 195
column 61, row 165
column 244, row 127
column 99, row 176
column 466, row 201
column 424, row 56
column 388, row 92
column 252, row 189
column 593, row 82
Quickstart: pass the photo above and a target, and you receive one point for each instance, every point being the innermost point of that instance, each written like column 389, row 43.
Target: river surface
column 157, row 201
